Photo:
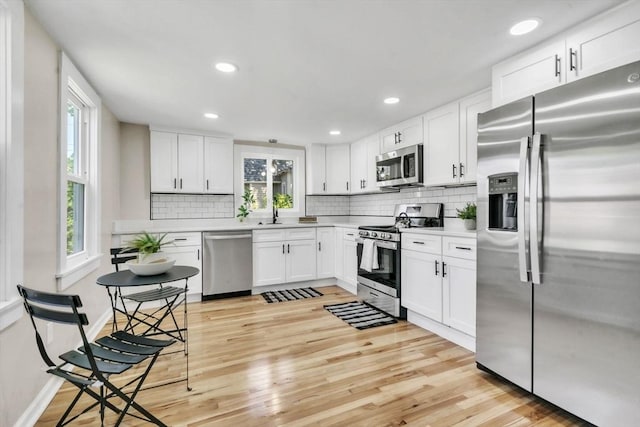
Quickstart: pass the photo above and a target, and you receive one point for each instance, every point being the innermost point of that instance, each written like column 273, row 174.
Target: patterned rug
column 359, row 315
column 290, row 294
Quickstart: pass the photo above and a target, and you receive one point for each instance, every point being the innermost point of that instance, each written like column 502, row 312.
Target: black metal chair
column 170, row 296
column 98, row 361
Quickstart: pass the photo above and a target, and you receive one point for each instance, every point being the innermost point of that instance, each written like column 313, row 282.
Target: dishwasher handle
column 228, row 237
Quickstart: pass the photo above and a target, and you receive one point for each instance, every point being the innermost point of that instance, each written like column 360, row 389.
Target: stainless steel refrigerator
column 558, row 296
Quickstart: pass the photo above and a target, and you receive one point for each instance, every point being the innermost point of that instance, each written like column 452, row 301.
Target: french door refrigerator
column 558, row 296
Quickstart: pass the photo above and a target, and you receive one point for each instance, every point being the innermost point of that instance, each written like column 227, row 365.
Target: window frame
column 74, row 267
column 243, row 152
column 11, row 160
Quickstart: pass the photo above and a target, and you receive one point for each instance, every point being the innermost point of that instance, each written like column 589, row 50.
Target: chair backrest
column 51, row 307
column 122, row 255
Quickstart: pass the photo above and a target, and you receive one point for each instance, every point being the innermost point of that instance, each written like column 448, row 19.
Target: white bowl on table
column 158, row 266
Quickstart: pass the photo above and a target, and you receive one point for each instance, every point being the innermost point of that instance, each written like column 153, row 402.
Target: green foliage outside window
column 283, row 201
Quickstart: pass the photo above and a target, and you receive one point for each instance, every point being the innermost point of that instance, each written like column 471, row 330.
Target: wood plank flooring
column 294, row 364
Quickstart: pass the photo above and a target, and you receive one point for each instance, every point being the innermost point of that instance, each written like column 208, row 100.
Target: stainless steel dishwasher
column 227, row 264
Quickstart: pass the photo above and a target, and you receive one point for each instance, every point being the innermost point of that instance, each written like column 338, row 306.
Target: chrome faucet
column 275, row 213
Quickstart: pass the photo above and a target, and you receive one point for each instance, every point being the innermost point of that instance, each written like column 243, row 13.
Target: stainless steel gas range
column 379, row 255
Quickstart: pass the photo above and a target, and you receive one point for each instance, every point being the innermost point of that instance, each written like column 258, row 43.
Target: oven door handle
column 380, row 243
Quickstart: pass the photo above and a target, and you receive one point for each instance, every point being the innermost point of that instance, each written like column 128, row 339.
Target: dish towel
column 369, row 260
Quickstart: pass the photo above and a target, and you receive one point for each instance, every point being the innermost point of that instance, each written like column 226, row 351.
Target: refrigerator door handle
column 533, row 209
column 522, row 250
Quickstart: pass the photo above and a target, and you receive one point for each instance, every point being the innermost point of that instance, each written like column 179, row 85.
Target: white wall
column 22, row 375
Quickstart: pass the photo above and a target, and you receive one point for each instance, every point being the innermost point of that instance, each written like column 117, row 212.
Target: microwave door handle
column 522, row 179
column 534, row 243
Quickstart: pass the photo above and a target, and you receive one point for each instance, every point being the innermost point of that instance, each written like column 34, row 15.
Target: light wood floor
column 295, row 364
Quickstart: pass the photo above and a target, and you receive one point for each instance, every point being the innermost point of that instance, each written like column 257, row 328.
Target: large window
column 79, row 152
column 274, row 177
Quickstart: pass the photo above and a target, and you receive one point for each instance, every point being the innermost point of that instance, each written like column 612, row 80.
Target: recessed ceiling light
column 211, row 115
column 524, row 27
column 334, row 132
column 391, row 100
column 226, row 67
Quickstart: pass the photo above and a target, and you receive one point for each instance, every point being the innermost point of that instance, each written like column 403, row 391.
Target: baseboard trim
column 34, row 411
column 450, row 334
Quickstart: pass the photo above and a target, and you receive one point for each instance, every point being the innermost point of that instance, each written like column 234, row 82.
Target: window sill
column 10, row 312
column 72, row 275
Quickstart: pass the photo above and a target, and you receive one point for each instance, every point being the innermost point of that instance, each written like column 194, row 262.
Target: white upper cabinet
column 164, row 162
column 190, row 163
column 316, row 169
column 450, row 140
column 328, row 169
column 363, row 164
column 607, row 42
column 604, row 42
column 403, row 134
column 337, row 169
column 470, row 107
column 218, row 165
column 187, row 163
column 533, row 71
column 441, row 148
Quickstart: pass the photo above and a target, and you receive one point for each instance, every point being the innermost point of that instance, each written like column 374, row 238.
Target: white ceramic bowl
column 158, row 266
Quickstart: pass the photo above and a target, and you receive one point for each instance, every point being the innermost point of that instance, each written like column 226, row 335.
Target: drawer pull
column 418, row 243
column 463, row 248
column 180, row 239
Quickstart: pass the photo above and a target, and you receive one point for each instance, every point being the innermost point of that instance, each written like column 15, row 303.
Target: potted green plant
column 248, row 200
column 468, row 214
column 148, row 245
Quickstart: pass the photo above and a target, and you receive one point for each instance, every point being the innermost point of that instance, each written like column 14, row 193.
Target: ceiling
column 305, row 67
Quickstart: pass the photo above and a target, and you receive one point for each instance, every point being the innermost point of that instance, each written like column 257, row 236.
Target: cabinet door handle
column 324, row 186
column 180, row 239
column 461, row 171
column 283, row 248
column 557, row 64
column 181, row 183
column 207, row 184
column 399, row 137
column 175, row 183
column 436, row 264
column 347, row 185
column 573, row 54
column 453, row 166
column 349, row 234
column 463, row 248
column 395, row 138
column 444, row 272
column 319, row 246
column 198, row 254
column 288, row 249
column 364, row 183
column 418, row 243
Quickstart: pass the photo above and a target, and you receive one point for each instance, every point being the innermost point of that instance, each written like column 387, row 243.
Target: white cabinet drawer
column 459, row 247
column 300, row 233
column 349, row 234
column 422, row 243
column 268, row 235
column 185, row 239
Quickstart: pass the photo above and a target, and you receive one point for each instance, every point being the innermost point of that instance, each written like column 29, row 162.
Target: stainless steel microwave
column 400, row 167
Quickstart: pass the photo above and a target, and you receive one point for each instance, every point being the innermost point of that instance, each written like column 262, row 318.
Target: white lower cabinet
column 437, row 285
column 283, row 256
column 459, row 294
column 325, row 256
column 350, row 262
column 339, row 252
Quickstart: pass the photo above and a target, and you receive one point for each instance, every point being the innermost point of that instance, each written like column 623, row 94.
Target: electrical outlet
column 49, row 332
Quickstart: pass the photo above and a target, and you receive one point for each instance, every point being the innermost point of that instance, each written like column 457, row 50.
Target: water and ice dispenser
column 503, row 202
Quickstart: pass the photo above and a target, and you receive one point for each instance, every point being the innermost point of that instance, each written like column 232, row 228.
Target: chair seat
column 140, row 340
column 155, row 294
column 80, row 359
column 118, row 345
column 114, row 356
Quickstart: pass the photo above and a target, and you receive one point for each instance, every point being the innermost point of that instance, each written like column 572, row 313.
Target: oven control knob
column 386, row 236
column 374, row 234
column 364, row 233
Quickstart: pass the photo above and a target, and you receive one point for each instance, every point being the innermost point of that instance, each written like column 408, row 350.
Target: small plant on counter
column 469, row 211
column 248, row 200
column 147, row 244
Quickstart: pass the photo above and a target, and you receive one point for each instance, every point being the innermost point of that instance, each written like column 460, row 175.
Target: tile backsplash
column 191, row 206
column 383, row 204
column 183, row 206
